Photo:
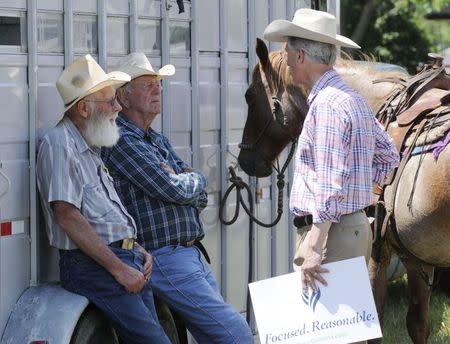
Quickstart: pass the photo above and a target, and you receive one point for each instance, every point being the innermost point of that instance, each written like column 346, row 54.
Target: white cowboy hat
column 84, row 77
column 309, row 24
column 137, row 64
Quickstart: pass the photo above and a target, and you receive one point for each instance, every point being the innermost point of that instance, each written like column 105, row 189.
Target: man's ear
column 301, row 55
column 122, row 97
column 83, row 108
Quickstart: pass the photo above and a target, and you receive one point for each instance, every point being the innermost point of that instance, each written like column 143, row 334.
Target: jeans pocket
column 182, row 264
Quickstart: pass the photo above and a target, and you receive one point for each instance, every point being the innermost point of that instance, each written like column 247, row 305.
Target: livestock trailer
column 211, row 43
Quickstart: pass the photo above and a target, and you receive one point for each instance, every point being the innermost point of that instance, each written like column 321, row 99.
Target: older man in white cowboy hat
column 84, row 216
column 342, row 149
column 165, row 196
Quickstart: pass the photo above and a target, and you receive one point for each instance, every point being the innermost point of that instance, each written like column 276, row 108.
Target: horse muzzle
column 254, row 164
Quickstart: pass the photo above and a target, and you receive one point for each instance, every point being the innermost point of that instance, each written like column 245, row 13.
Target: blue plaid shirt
column 165, row 206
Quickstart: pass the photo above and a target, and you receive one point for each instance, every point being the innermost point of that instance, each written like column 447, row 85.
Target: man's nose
column 117, row 106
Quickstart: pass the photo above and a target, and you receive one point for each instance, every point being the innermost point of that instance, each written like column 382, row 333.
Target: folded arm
column 135, row 162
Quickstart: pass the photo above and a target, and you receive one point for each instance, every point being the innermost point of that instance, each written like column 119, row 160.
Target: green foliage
column 395, row 331
column 396, row 30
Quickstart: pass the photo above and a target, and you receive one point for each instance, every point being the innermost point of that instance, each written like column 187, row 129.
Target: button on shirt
column 68, row 170
column 165, row 206
column 342, row 150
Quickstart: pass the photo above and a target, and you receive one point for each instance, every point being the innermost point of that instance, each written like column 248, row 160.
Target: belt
column 301, row 221
column 194, row 242
column 126, row 244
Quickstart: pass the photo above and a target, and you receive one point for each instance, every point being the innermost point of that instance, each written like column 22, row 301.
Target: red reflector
column 5, row 229
column 39, row 342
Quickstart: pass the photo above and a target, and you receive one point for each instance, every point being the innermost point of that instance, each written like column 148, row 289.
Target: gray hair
column 318, row 52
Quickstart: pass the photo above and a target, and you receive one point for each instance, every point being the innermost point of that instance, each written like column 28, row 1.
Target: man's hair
column 314, row 51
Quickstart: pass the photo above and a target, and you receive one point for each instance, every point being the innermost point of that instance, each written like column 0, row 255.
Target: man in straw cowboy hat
column 84, row 216
column 342, row 149
column 165, row 196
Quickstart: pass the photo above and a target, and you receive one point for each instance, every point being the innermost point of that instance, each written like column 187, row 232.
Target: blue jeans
column 133, row 316
column 183, row 280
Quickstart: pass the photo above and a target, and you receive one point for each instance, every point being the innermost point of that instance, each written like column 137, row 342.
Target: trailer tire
column 93, row 328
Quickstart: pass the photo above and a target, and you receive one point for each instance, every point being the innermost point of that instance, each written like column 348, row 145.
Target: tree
column 393, row 31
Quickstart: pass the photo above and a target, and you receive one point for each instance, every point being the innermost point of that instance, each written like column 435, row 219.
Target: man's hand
column 131, row 279
column 70, row 219
column 167, row 168
column 189, row 169
column 148, row 262
column 311, row 269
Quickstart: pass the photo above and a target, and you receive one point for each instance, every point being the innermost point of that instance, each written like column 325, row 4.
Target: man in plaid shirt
column 165, row 196
column 342, row 151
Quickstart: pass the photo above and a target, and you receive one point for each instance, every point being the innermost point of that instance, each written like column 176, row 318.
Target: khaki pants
column 352, row 237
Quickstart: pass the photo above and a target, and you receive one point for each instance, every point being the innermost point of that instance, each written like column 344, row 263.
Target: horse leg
column 420, row 282
column 378, row 279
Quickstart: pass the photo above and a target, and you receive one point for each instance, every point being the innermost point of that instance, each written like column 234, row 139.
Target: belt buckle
column 128, row 244
column 190, row 243
column 307, row 218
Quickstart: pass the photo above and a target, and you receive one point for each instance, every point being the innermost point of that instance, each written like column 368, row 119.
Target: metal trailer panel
column 49, row 110
column 50, row 5
column 236, row 235
column 223, row 53
column 119, row 7
column 261, row 21
column 150, row 8
column 180, row 100
column 14, row 4
column 14, row 167
column 208, row 25
column 14, row 137
column 85, row 6
column 209, row 152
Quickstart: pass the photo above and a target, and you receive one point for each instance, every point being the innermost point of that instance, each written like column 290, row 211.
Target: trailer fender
column 45, row 312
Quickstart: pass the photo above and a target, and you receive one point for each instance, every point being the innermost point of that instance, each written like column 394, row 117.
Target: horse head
column 276, row 110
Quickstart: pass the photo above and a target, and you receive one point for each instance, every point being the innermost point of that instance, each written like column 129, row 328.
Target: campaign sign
column 342, row 312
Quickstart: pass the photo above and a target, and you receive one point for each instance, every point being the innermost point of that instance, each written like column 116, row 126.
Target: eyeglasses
column 111, row 102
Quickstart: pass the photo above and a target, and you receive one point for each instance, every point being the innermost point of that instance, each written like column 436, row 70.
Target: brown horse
column 276, row 110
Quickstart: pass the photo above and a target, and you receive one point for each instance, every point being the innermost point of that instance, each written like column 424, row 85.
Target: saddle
column 408, row 121
column 406, row 116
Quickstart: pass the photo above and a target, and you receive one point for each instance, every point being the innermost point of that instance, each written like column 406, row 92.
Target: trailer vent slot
column 10, row 31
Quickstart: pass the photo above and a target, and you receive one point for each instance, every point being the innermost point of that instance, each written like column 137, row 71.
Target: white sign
column 342, row 312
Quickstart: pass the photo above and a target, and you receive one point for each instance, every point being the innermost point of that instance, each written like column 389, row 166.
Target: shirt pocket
column 95, row 204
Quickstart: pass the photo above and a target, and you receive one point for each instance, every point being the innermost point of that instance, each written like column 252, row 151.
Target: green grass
column 395, row 332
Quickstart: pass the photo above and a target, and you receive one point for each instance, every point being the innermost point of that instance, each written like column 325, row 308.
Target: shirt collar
column 128, row 125
column 320, row 84
column 80, row 142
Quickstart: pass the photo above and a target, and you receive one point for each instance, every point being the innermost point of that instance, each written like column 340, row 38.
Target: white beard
column 100, row 131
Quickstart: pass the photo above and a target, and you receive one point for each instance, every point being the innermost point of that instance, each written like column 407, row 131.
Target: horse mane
column 361, row 76
column 358, row 75
column 280, row 69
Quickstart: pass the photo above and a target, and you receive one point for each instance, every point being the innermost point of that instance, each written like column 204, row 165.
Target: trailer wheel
column 93, row 328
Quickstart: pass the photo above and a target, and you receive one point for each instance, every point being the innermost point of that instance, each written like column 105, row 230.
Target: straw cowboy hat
column 309, row 24
column 137, row 64
column 84, row 77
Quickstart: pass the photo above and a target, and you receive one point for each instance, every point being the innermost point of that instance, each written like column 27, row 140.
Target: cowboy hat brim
column 136, row 72
column 114, row 79
column 279, row 31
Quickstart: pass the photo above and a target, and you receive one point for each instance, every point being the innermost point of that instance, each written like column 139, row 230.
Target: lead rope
column 239, row 184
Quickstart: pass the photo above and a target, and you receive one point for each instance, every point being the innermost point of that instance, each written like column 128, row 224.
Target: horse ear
column 262, row 52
